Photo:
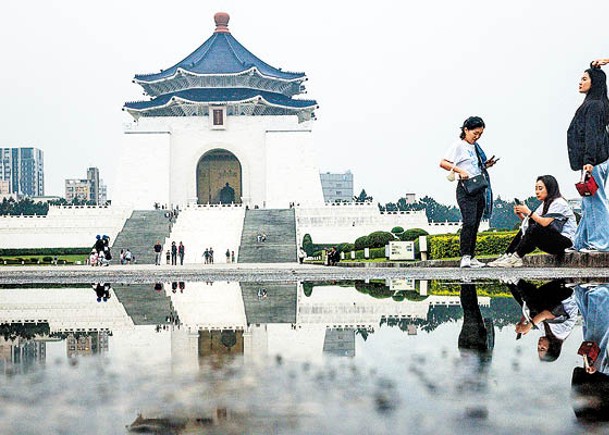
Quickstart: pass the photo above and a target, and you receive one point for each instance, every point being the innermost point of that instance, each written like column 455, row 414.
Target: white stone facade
column 160, row 155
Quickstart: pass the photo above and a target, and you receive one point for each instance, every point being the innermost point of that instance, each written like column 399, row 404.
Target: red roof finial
column 221, row 19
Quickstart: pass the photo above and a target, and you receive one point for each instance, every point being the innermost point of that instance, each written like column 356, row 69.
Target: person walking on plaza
column 158, row 249
column 588, row 146
column 174, row 254
column 466, row 159
column 181, row 253
column 211, row 255
column 227, row 254
column 232, row 256
column 550, row 228
column 206, row 256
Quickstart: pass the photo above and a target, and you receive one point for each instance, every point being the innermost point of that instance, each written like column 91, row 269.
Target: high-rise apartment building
column 90, row 189
column 23, row 168
column 337, row 187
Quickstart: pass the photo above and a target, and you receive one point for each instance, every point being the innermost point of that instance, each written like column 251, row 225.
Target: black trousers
column 540, row 237
column 472, row 207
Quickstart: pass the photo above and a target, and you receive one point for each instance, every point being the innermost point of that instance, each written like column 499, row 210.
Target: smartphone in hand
column 517, row 201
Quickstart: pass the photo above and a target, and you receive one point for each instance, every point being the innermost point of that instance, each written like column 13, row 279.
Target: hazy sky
column 394, row 79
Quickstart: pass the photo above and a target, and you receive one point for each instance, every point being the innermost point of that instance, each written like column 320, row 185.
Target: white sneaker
column 500, row 262
column 513, row 261
column 474, row 262
column 466, row 261
column 589, row 249
column 570, row 250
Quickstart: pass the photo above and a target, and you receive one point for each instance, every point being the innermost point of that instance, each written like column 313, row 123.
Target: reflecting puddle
column 346, row 356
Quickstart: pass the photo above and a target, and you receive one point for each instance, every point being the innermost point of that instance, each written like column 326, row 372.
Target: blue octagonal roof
column 220, row 54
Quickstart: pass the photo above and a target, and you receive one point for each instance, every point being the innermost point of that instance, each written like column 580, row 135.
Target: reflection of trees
column 375, row 289
column 12, row 331
column 364, row 332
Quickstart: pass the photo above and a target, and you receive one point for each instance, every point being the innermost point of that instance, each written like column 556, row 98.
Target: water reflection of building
column 224, row 319
column 86, row 344
column 22, row 351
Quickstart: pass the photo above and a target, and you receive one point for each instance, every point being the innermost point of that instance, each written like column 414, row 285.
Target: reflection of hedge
column 447, row 246
column 377, row 290
column 12, row 331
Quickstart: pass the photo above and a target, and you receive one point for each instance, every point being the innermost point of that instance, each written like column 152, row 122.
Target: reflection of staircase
column 280, row 229
column 279, row 306
column 144, row 304
column 140, row 233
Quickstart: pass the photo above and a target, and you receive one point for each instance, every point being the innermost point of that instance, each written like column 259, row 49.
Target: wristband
column 531, row 214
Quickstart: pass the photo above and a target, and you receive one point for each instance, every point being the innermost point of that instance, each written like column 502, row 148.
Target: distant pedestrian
column 158, row 248
column 228, row 255
column 232, row 256
column 168, row 256
column 129, row 258
column 181, row 253
column 211, row 255
column 206, row 256
column 174, row 253
column 302, row 254
column 121, row 257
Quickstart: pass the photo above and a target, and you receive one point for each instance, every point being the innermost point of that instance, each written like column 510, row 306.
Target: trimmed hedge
column 447, row 246
column 379, row 239
column 412, row 234
column 12, row 252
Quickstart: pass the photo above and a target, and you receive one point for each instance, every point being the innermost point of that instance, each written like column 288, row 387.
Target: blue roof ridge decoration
column 221, row 54
column 217, row 96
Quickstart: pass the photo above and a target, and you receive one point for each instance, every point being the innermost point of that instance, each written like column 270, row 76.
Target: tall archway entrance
column 219, row 178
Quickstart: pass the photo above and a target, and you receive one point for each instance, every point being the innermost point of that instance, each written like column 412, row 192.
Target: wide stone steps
column 279, row 305
column 144, row 304
column 140, row 233
column 279, row 226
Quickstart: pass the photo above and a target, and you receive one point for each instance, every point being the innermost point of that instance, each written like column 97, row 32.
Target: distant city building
column 5, row 187
column 90, row 189
column 103, row 192
column 337, row 187
column 410, row 198
column 93, row 180
column 23, row 168
column 77, row 189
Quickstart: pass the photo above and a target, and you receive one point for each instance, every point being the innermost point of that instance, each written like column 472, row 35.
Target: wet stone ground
column 395, row 355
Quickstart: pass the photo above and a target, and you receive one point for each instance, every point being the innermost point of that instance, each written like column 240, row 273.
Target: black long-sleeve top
column 587, row 138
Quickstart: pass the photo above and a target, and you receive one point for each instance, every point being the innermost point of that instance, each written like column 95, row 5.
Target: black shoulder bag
column 477, row 184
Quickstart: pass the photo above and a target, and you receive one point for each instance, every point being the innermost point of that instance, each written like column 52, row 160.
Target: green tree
column 363, row 197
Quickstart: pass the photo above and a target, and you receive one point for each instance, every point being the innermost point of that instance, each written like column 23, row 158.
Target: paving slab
column 276, row 272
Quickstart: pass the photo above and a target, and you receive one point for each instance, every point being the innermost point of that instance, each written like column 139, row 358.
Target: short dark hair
column 471, row 123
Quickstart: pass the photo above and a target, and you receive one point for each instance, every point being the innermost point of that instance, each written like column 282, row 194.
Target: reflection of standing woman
column 467, row 160
column 588, row 145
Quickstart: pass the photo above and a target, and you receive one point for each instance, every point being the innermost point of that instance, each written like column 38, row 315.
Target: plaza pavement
column 287, row 272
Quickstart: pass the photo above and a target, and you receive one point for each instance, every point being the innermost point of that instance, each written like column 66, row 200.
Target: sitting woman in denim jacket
column 551, row 227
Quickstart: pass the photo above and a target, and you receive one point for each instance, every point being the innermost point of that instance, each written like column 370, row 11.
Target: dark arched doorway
column 218, row 178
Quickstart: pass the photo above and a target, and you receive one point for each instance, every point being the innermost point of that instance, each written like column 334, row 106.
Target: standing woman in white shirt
column 466, row 159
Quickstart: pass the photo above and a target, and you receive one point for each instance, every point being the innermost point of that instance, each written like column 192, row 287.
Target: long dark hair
column 474, row 122
column 554, row 345
column 598, row 89
column 553, row 191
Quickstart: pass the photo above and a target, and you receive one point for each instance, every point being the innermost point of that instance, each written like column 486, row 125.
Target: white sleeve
column 453, row 153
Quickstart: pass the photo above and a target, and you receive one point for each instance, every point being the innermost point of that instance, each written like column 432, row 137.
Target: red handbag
column 590, row 351
column 587, row 185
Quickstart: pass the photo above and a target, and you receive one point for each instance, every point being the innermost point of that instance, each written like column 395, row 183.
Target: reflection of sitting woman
column 551, row 308
column 591, row 386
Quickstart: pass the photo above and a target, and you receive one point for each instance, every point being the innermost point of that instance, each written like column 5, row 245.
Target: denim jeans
column 472, row 207
column 593, row 229
column 593, row 305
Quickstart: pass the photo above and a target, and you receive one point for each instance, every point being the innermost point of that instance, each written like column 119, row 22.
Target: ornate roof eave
column 250, row 71
column 304, row 113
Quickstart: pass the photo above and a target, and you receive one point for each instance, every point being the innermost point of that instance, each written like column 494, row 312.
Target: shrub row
column 447, row 246
column 10, row 252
